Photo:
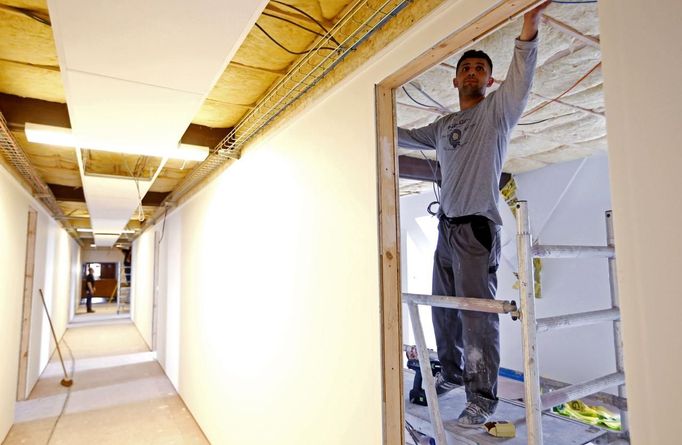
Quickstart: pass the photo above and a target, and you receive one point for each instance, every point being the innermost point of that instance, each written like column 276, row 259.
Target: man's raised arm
column 531, row 20
column 423, row 138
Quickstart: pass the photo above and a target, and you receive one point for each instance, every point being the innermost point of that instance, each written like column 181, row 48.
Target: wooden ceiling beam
column 418, row 169
column 19, row 110
column 75, row 194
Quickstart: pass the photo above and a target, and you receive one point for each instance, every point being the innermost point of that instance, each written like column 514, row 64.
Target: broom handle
column 42, row 298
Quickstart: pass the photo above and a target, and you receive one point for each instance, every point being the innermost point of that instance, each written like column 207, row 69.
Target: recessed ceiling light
column 63, row 137
column 46, row 134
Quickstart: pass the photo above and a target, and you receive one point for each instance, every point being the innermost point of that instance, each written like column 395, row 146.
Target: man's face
column 473, row 77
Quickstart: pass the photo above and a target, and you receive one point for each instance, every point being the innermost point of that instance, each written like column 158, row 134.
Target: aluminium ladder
column 534, row 402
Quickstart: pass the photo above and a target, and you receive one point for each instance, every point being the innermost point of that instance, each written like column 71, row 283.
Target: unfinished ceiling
column 38, row 72
column 286, row 34
column 564, row 119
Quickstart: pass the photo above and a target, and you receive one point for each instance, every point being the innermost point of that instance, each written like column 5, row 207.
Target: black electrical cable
column 27, row 13
column 298, row 25
column 309, row 16
column 163, row 228
column 536, row 122
column 296, row 53
column 415, row 100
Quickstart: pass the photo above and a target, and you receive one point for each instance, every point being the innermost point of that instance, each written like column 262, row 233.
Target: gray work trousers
column 465, row 265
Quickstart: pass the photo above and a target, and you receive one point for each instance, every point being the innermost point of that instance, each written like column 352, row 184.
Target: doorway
column 389, row 223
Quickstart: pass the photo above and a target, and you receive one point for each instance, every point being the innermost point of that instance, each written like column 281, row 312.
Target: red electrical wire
column 540, row 107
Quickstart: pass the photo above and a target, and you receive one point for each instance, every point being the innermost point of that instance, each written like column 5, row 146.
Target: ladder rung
column 573, row 392
column 464, row 303
column 542, row 251
column 580, row 319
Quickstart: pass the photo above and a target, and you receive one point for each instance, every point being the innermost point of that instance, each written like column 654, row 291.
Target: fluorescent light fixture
column 84, row 230
column 63, row 137
column 46, row 134
column 93, row 245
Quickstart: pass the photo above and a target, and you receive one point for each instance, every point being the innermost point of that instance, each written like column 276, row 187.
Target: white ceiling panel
column 135, row 73
column 109, row 112
column 105, row 240
column 171, row 43
column 112, row 201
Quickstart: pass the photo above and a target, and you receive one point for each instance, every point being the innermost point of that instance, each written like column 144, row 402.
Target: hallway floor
column 120, row 395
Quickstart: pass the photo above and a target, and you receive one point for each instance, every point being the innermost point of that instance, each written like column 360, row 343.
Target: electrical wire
column 27, row 13
column 415, row 100
column 296, row 53
column 140, row 209
column 416, row 86
column 163, row 227
column 310, row 17
column 565, row 92
column 298, row 25
column 536, row 122
column 68, row 394
column 434, row 173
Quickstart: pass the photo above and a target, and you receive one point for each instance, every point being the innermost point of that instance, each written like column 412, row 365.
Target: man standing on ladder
column 471, row 146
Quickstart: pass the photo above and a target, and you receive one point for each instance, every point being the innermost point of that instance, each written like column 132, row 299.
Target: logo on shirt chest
column 455, row 134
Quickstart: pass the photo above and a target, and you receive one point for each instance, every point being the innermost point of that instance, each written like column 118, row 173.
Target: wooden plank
column 22, row 390
column 559, row 430
column 472, row 32
column 65, row 193
column 389, row 259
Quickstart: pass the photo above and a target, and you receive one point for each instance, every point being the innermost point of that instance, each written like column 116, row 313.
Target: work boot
column 473, row 416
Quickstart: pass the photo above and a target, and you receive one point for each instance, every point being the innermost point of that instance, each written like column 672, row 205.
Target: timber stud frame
column 388, row 200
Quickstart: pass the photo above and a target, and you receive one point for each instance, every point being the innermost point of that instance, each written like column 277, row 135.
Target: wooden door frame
column 27, row 305
column 388, row 209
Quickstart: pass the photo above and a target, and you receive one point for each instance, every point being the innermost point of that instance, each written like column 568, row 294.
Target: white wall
column 141, row 292
column 643, row 108
column 278, row 279
column 567, row 203
column 54, row 256
column 170, row 304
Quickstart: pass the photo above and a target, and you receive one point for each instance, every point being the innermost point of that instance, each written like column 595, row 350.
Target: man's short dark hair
column 475, row 54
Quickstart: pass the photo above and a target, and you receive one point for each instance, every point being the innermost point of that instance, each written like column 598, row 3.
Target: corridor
column 120, row 394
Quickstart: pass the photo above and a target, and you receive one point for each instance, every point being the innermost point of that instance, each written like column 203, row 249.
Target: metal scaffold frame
column 535, row 402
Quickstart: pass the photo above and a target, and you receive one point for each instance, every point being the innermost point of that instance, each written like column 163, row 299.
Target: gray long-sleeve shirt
column 471, row 144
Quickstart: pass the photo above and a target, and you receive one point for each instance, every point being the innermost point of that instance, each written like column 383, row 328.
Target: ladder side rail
column 577, row 391
column 615, row 303
column 463, row 303
column 527, row 301
column 427, row 376
column 118, row 287
column 577, row 319
column 555, row 251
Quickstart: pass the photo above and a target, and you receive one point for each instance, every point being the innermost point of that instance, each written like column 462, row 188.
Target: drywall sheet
column 279, row 265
